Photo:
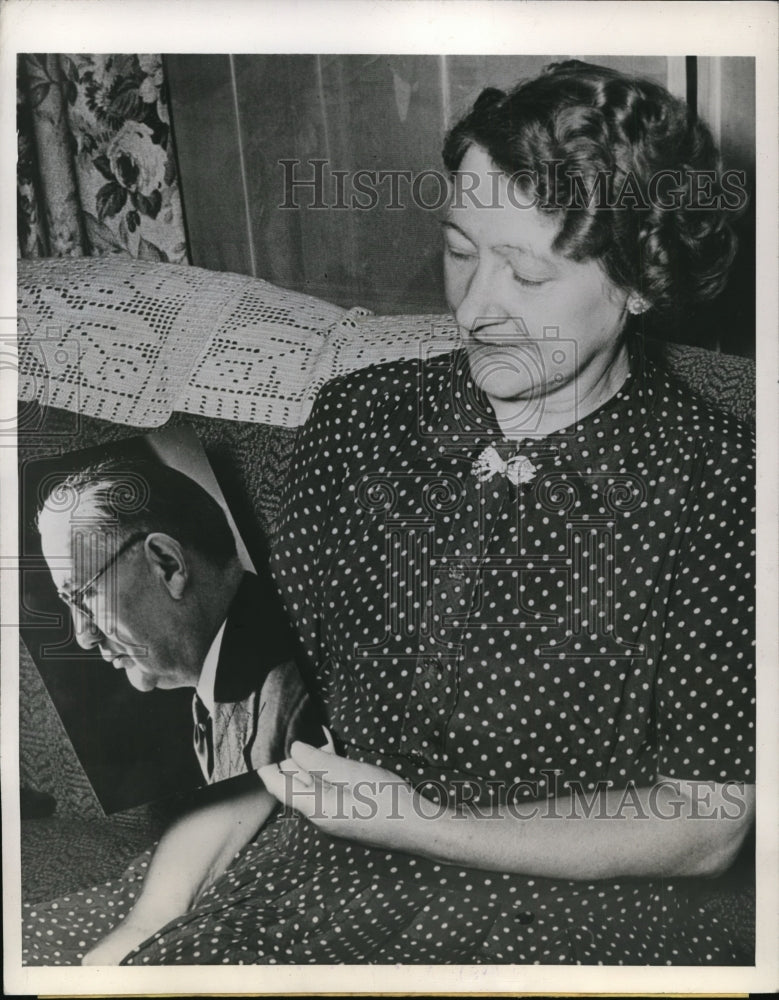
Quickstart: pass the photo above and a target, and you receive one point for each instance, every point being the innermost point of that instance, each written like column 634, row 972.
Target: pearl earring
column 637, row 304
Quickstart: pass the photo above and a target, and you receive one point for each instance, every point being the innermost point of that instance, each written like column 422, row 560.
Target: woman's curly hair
column 606, row 153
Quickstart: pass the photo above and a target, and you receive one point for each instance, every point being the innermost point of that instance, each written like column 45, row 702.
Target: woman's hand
column 350, row 799
column 119, row 942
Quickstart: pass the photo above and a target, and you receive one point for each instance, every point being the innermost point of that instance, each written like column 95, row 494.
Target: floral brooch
column 517, row 470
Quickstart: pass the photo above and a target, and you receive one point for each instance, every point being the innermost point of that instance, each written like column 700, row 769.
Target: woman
column 521, row 575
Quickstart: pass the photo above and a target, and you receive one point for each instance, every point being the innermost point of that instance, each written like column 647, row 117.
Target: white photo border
column 422, row 27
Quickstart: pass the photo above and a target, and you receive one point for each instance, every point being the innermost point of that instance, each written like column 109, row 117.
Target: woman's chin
column 519, row 403
column 500, row 382
column 507, row 372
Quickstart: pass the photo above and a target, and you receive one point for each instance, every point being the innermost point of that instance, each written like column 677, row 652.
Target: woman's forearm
column 191, row 855
column 198, row 848
column 674, row 829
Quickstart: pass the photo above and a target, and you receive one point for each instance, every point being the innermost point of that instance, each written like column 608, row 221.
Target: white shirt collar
column 207, row 680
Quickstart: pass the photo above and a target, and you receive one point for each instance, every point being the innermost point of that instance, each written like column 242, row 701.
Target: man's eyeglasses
column 75, row 599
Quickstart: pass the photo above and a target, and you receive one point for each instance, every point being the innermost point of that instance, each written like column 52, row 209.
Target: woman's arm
column 675, row 828
column 191, row 855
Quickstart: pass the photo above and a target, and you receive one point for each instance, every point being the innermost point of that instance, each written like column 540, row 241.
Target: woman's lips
column 501, row 343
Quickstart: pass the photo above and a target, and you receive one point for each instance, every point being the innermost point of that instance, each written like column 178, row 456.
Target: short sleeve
column 317, row 467
column 705, row 694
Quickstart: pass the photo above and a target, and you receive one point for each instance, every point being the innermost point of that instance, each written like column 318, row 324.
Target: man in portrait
column 146, row 561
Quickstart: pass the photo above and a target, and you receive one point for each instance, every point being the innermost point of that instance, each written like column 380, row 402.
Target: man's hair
column 581, row 128
column 132, row 496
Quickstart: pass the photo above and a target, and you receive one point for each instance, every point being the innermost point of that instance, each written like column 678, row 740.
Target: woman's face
column 536, row 325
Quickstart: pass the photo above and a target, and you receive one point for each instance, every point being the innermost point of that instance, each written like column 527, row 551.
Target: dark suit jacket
column 261, row 702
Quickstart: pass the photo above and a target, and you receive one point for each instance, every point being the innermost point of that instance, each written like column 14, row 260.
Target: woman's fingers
column 292, row 780
column 289, row 767
column 289, row 785
column 271, row 777
column 308, row 793
column 329, row 746
column 314, row 759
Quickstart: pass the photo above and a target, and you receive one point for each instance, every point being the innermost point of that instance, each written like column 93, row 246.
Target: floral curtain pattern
column 96, row 172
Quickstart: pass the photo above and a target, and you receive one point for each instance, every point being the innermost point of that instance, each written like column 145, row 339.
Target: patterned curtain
column 96, row 172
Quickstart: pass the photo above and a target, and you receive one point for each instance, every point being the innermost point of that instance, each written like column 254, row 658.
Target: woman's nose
column 481, row 306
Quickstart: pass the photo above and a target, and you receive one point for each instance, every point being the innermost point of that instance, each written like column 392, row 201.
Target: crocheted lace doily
column 237, row 380
column 120, row 339
column 131, row 341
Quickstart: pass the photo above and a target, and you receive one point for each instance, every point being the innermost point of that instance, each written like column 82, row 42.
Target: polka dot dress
column 492, row 641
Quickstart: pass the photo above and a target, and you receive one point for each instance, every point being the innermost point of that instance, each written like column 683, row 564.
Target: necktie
column 203, row 737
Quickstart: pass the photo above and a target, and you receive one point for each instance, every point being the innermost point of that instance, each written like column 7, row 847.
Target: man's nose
column 88, row 635
column 481, row 307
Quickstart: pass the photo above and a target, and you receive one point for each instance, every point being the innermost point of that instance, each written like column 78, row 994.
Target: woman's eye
column 529, row 282
column 459, row 254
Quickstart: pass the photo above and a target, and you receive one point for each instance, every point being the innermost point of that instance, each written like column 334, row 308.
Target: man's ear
column 168, row 561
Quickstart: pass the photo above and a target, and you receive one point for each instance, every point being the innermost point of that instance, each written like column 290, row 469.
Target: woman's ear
column 168, row 561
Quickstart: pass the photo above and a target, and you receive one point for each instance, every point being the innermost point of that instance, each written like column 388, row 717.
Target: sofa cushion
column 725, row 380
